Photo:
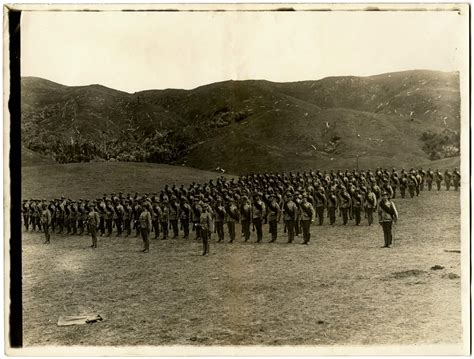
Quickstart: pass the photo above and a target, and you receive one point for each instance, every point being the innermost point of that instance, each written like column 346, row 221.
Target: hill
column 92, row 180
column 250, row 125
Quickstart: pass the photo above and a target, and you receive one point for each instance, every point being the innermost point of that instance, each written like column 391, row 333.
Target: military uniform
column 207, row 227
column 307, row 217
column 290, row 211
column 93, row 222
column 46, row 222
column 387, row 214
column 232, row 218
column 274, row 214
column 145, row 227
column 258, row 213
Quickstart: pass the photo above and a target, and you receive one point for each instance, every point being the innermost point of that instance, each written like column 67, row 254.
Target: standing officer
column 321, row 203
column 307, row 217
column 145, row 227
column 332, row 206
column 207, row 227
column 127, row 218
column 119, row 213
column 245, row 217
column 429, row 179
column 93, row 222
column 232, row 218
column 185, row 217
column 438, row 179
column 197, row 210
column 387, row 214
column 357, row 205
column 290, row 211
column 274, row 214
column 220, row 214
column 370, row 205
column 108, row 217
column 456, row 179
column 164, row 217
column 25, row 212
column 46, row 222
column 345, row 204
column 447, row 179
column 258, row 213
column 174, row 216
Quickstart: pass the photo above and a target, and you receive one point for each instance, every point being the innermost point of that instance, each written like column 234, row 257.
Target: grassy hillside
column 91, row 180
column 246, row 125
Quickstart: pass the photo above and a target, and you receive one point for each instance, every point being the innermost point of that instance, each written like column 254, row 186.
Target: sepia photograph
column 237, row 179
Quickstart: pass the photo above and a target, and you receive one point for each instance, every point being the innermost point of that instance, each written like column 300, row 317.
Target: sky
column 134, row 51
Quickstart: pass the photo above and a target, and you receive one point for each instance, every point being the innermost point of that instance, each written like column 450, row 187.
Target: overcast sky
column 156, row 50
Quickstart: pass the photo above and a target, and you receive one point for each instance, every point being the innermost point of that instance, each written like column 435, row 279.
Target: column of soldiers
column 252, row 200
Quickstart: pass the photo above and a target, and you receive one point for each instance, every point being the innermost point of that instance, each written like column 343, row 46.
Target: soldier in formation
column 252, row 200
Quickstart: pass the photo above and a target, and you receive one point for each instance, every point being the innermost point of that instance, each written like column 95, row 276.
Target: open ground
column 341, row 289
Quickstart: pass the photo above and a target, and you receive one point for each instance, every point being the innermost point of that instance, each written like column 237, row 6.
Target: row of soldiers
column 251, row 200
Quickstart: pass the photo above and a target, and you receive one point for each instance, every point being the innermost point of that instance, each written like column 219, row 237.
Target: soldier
column 412, row 185
column 245, row 217
column 394, row 182
column 403, row 185
column 274, row 214
column 438, row 179
column 108, row 217
column 456, row 179
column 370, row 205
column 419, row 183
column 164, row 217
column 101, row 209
column 80, row 217
column 145, row 226
column 357, row 205
column 232, row 218
column 207, row 227
column 298, row 199
column 220, row 214
column 119, row 213
column 45, row 222
column 127, row 217
column 25, row 212
column 93, row 222
column 321, row 203
column 345, row 205
column 197, row 210
column 258, row 213
column 447, row 179
column 422, row 174
column 155, row 217
column 137, row 210
column 332, row 206
column 185, row 216
column 290, row 211
column 33, row 215
column 387, row 214
column 429, row 179
column 307, row 217
column 174, row 215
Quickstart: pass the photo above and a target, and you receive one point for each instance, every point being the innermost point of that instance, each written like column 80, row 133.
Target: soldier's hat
column 384, row 193
column 173, row 197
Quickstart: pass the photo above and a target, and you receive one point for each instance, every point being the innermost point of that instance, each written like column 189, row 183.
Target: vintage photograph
column 241, row 179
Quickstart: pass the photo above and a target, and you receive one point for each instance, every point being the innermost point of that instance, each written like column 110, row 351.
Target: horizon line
column 232, row 80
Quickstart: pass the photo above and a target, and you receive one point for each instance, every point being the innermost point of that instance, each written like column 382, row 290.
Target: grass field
column 341, row 289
